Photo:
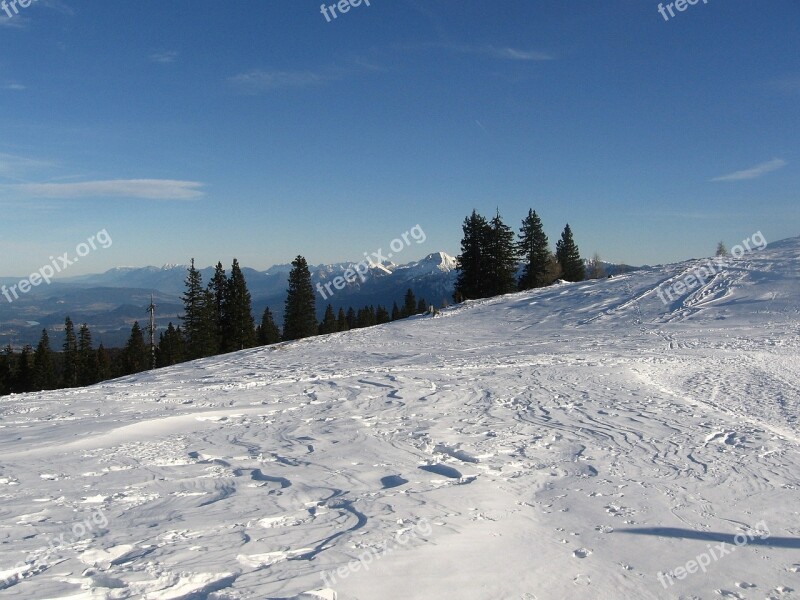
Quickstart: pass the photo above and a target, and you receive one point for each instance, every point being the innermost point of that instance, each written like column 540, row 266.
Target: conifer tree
column 473, row 265
column 69, row 373
column 300, row 320
column 396, row 314
column 218, row 286
column 422, row 306
column 7, row 361
column 25, row 372
column 43, row 373
column 268, row 332
column 238, row 324
column 409, row 304
column 105, row 369
column 382, row 315
column 328, row 324
column 170, row 347
column 501, row 252
column 535, row 252
column 196, row 314
column 569, row 257
column 135, row 357
column 341, row 320
column 87, row 358
column 352, row 321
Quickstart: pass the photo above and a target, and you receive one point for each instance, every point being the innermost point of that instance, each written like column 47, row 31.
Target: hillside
column 569, row 442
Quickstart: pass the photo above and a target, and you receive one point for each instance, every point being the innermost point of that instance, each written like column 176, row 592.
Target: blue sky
column 260, row 130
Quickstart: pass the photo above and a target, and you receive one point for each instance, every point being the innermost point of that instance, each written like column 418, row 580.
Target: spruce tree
column 268, row 332
column 196, row 314
column 328, row 324
column 69, row 373
column 422, row 306
column 87, row 358
column 218, row 316
column 105, row 369
column 341, row 320
column 473, row 267
column 25, row 372
column 501, row 252
column 351, row 318
column 44, row 377
column 382, row 315
column 7, row 361
column 534, row 249
column 238, row 324
column 135, row 357
column 569, row 257
column 396, row 314
column 170, row 347
column 299, row 320
column 409, row 304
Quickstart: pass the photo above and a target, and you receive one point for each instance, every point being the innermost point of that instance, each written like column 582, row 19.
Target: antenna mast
column 152, row 310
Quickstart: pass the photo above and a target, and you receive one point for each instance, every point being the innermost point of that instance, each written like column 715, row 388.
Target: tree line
column 491, row 255
column 217, row 318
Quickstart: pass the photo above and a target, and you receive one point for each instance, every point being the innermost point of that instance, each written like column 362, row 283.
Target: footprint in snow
column 581, row 553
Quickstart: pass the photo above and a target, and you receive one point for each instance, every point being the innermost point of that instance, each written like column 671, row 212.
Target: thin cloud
column 753, row 172
column 14, row 167
column 15, row 87
column 145, row 189
column 497, row 52
column 163, row 57
column 514, row 54
column 259, row 80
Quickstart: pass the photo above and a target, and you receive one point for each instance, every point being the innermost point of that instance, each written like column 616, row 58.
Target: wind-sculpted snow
column 570, row 442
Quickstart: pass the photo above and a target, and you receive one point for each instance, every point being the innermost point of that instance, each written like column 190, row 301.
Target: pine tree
column 268, row 332
column 409, row 304
column 87, row 358
column 135, row 357
column 501, row 252
column 300, row 320
column 352, row 321
column 473, row 261
column 569, row 257
column 422, row 306
column 721, row 249
column 534, row 249
column 69, row 373
column 328, row 324
column 341, row 321
column 396, row 314
column 44, row 377
column 218, row 286
column 238, row 324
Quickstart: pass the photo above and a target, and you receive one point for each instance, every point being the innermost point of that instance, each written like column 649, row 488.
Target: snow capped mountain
column 586, row 440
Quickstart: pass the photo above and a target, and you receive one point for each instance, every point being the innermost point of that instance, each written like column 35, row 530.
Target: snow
column 570, row 442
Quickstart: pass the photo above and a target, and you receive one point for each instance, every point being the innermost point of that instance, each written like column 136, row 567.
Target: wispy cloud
column 753, row 172
column 17, row 22
column 15, row 87
column 163, row 57
column 146, row 189
column 13, row 166
column 789, row 84
column 259, row 80
column 513, row 53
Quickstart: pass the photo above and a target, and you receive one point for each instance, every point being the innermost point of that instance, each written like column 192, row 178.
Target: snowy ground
column 571, row 442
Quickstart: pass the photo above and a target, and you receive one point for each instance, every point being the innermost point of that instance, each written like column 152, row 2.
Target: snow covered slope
column 571, row 442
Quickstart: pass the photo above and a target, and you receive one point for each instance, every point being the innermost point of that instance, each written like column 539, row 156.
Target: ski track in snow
column 533, row 432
